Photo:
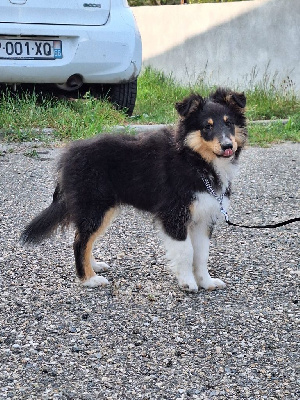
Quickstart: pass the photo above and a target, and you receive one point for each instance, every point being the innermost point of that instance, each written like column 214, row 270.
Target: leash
column 288, row 221
column 211, row 191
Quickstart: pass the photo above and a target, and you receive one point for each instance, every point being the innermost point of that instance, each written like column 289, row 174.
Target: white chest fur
column 206, row 209
column 226, row 171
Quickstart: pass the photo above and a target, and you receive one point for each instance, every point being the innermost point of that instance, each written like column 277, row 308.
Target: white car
column 71, row 44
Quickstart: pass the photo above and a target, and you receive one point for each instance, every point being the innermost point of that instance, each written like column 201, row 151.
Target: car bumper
column 99, row 54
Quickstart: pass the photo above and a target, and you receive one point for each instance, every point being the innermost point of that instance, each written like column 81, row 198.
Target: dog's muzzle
column 227, row 148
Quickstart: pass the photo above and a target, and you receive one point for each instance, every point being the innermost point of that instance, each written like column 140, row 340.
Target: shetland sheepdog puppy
column 161, row 173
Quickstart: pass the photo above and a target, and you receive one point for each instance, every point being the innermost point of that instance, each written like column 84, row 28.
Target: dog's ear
column 189, row 105
column 226, row 96
column 238, row 98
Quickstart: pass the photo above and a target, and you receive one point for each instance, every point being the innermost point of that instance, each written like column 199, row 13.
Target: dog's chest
column 226, row 172
column 206, row 208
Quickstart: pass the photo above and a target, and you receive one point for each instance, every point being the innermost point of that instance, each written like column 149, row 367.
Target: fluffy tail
column 47, row 221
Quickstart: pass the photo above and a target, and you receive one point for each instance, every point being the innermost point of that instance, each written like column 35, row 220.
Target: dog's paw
column 212, row 284
column 188, row 285
column 99, row 267
column 95, row 281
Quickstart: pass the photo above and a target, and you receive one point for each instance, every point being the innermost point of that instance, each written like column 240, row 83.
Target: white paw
column 188, row 284
column 95, row 281
column 212, row 284
column 99, row 267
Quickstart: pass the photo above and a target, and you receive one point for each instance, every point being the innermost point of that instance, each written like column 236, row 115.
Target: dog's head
column 214, row 126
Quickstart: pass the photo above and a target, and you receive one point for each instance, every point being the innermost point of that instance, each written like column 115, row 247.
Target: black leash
column 224, row 212
column 277, row 225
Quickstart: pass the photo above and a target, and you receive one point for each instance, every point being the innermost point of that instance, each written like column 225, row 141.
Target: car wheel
column 122, row 95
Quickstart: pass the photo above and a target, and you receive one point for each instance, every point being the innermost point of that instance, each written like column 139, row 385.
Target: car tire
column 123, row 96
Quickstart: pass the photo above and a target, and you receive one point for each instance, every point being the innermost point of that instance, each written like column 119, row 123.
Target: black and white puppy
column 161, row 173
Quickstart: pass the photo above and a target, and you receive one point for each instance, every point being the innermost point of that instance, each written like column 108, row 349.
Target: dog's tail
column 43, row 225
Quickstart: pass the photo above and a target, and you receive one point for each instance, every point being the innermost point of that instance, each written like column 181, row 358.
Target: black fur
column 154, row 172
column 43, row 225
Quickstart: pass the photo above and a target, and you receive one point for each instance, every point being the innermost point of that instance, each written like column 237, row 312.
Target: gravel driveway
column 142, row 337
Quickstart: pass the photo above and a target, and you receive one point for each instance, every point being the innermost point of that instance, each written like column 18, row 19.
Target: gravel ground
column 142, row 337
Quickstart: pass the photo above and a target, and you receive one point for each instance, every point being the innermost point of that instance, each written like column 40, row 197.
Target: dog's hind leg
column 99, row 266
column 83, row 245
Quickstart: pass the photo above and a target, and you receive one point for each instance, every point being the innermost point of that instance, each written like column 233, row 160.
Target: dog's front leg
column 200, row 240
column 180, row 255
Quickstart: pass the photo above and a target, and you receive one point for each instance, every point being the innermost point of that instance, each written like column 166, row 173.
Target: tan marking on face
column 107, row 219
column 210, row 121
column 225, row 118
column 240, row 136
column 207, row 149
column 192, row 208
column 234, row 143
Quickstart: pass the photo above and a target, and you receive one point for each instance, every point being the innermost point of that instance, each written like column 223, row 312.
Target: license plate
column 33, row 49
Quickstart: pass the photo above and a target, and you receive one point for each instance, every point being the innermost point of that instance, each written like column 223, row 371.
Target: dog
column 161, row 173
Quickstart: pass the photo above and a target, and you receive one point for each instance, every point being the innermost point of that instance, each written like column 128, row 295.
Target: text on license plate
column 24, row 49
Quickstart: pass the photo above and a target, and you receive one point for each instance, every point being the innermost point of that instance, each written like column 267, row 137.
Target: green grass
column 272, row 99
column 23, row 117
column 275, row 132
column 157, row 95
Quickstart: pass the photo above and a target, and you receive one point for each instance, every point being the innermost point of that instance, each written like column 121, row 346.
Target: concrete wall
column 225, row 43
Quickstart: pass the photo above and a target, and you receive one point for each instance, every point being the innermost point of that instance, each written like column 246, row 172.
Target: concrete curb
column 152, row 128
column 135, row 128
column 139, row 128
column 268, row 121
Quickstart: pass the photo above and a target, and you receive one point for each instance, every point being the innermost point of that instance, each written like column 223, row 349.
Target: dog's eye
column 228, row 122
column 208, row 127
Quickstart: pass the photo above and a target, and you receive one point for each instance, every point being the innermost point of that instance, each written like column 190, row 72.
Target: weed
column 32, row 154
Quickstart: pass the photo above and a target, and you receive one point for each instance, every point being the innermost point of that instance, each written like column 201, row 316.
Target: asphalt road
column 142, row 337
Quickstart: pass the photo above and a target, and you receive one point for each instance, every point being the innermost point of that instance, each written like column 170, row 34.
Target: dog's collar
column 211, row 191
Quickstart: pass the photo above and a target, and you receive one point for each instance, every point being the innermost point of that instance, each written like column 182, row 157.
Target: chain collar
column 211, row 191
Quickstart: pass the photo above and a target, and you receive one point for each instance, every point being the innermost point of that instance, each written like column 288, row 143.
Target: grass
column 26, row 116
column 157, row 94
column 274, row 132
column 270, row 100
column 23, row 117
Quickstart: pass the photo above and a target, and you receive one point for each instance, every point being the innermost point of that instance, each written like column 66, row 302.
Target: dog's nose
column 227, row 146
